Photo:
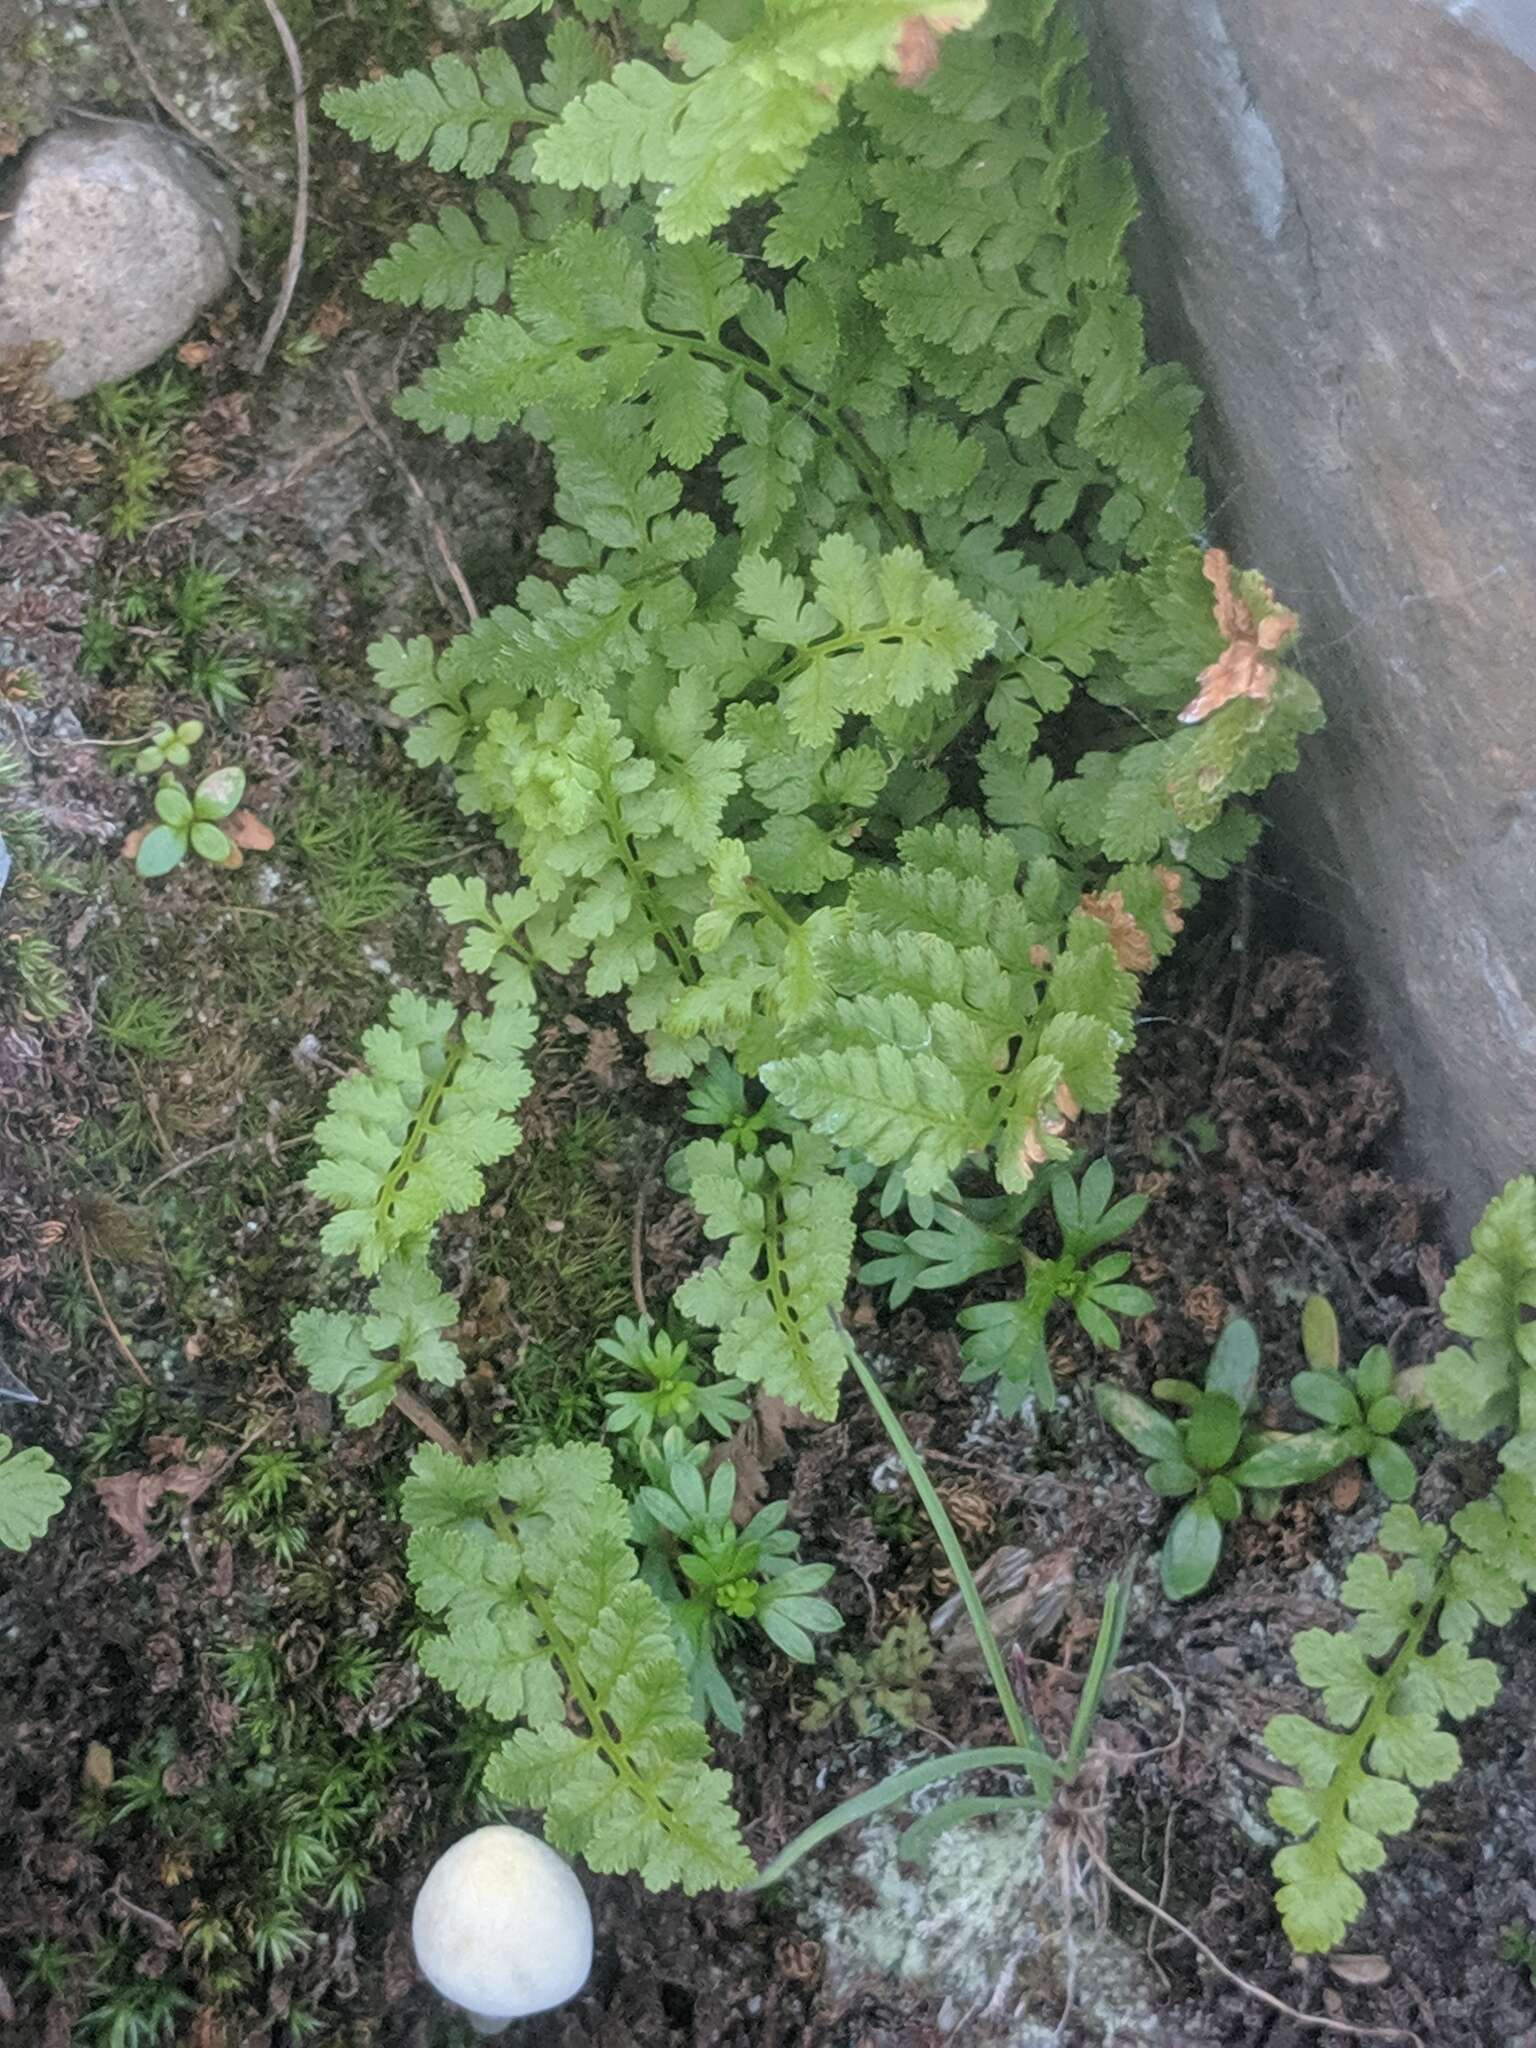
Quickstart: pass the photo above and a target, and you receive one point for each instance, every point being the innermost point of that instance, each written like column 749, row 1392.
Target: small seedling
column 169, row 746
column 730, row 1576
column 1194, row 1458
column 675, row 1398
column 194, row 824
column 882, row 1690
column 1359, row 1407
column 31, row 1493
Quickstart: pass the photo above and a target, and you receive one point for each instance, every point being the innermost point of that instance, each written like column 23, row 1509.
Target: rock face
column 1341, row 241
column 118, row 236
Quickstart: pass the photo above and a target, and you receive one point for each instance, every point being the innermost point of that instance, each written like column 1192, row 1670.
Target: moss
column 364, row 849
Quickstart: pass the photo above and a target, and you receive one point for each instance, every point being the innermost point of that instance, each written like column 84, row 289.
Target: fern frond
column 403, row 1142
column 788, row 1220
column 361, row 1358
column 745, row 117
column 529, row 1564
column 453, row 263
column 460, row 115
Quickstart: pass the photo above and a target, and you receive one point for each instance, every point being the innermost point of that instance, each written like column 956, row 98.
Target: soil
column 190, row 1674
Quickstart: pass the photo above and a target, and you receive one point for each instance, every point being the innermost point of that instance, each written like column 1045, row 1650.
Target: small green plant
column 716, row 1579
column 135, row 423
column 32, row 1490
column 191, row 631
column 193, row 824
column 1517, row 1945
column 884, row 1689
column 1197, row 1457
column 361, row 845
column 677, row 1396
column 32, row 974
column 1388, row 1683
column 168, row 746
column 968, row 1238
column 1359, row 1406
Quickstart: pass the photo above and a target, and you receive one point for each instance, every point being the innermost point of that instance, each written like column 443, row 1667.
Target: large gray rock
column 1342, row 242
column 118, row 236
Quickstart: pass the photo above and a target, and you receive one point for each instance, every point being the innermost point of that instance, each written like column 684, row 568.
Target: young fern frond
column 747, row 113
column 460, row 116
column 403, row 1142
column 1384, row 1688
column 528, row 1563
column 789, row 1221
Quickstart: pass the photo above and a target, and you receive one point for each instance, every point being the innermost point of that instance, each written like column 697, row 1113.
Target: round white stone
column 502, row 1926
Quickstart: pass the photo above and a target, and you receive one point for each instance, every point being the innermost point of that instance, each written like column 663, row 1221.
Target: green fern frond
column 403, row 1143
column 528, row 1563
column 460, row 115
column 788, row 1220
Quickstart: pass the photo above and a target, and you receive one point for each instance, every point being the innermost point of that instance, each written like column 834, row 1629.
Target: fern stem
column 676, row 945
column 856, row 451
column 1020, row 1727
column 1345, row 1781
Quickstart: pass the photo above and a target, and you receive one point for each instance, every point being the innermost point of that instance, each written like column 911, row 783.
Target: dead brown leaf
column 1361, row 1971
column 1128, row 942
column 1244, row 668
column 247, row 830
column 130, row 1498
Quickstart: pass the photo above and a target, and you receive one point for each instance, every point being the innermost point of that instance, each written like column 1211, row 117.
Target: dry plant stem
column 163, row 99
column 295, row 260
column 1290, row 2012
column 420, row 1415
column 439, row 538
column 106, row 1314
column 214, row 1152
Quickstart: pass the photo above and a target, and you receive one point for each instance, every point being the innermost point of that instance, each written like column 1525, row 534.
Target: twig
column 637, row 1243
column 417, row 1412
column 1290, row 2012
column 440, row 539
column 163, row 100
column 1242, row 945
column 106, row 1314
column 214, row 1151
column 295, row 262
column 272, row 487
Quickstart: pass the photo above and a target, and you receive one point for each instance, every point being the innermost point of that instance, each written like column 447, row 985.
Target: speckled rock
column 1341, row 241
column 118, row 236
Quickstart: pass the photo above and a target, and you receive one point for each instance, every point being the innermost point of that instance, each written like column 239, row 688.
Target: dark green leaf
column 1191, row 1551
column 1373, row 1375
column 1212, row 1431
column 1326, row 1395
column 160, row 850
column 1172, row 1477
column 1234, row 1366
column 1393, row 1470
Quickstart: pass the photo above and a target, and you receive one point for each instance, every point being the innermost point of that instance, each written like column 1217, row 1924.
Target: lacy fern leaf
column 1385, row 1690
column 788, row 1220
column 460, row 115
column 528, row 1563
column 403, row 1142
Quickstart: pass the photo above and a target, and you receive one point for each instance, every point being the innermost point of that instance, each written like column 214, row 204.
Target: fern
column 1385, row 1689
column 1489, row 1298
column 744, row 118
column 454, row 263
column 869, row 516
column 789, row 1221
column 529, row 1566
column 350, row 1355
column 403, row 1143
column 460, row 115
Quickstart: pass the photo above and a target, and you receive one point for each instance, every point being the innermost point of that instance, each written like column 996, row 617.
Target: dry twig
column 106, row 1314
column 295, row 260
column 440, row 539
column 1290, row 2012
column 163, row 99
column 421, row 1417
